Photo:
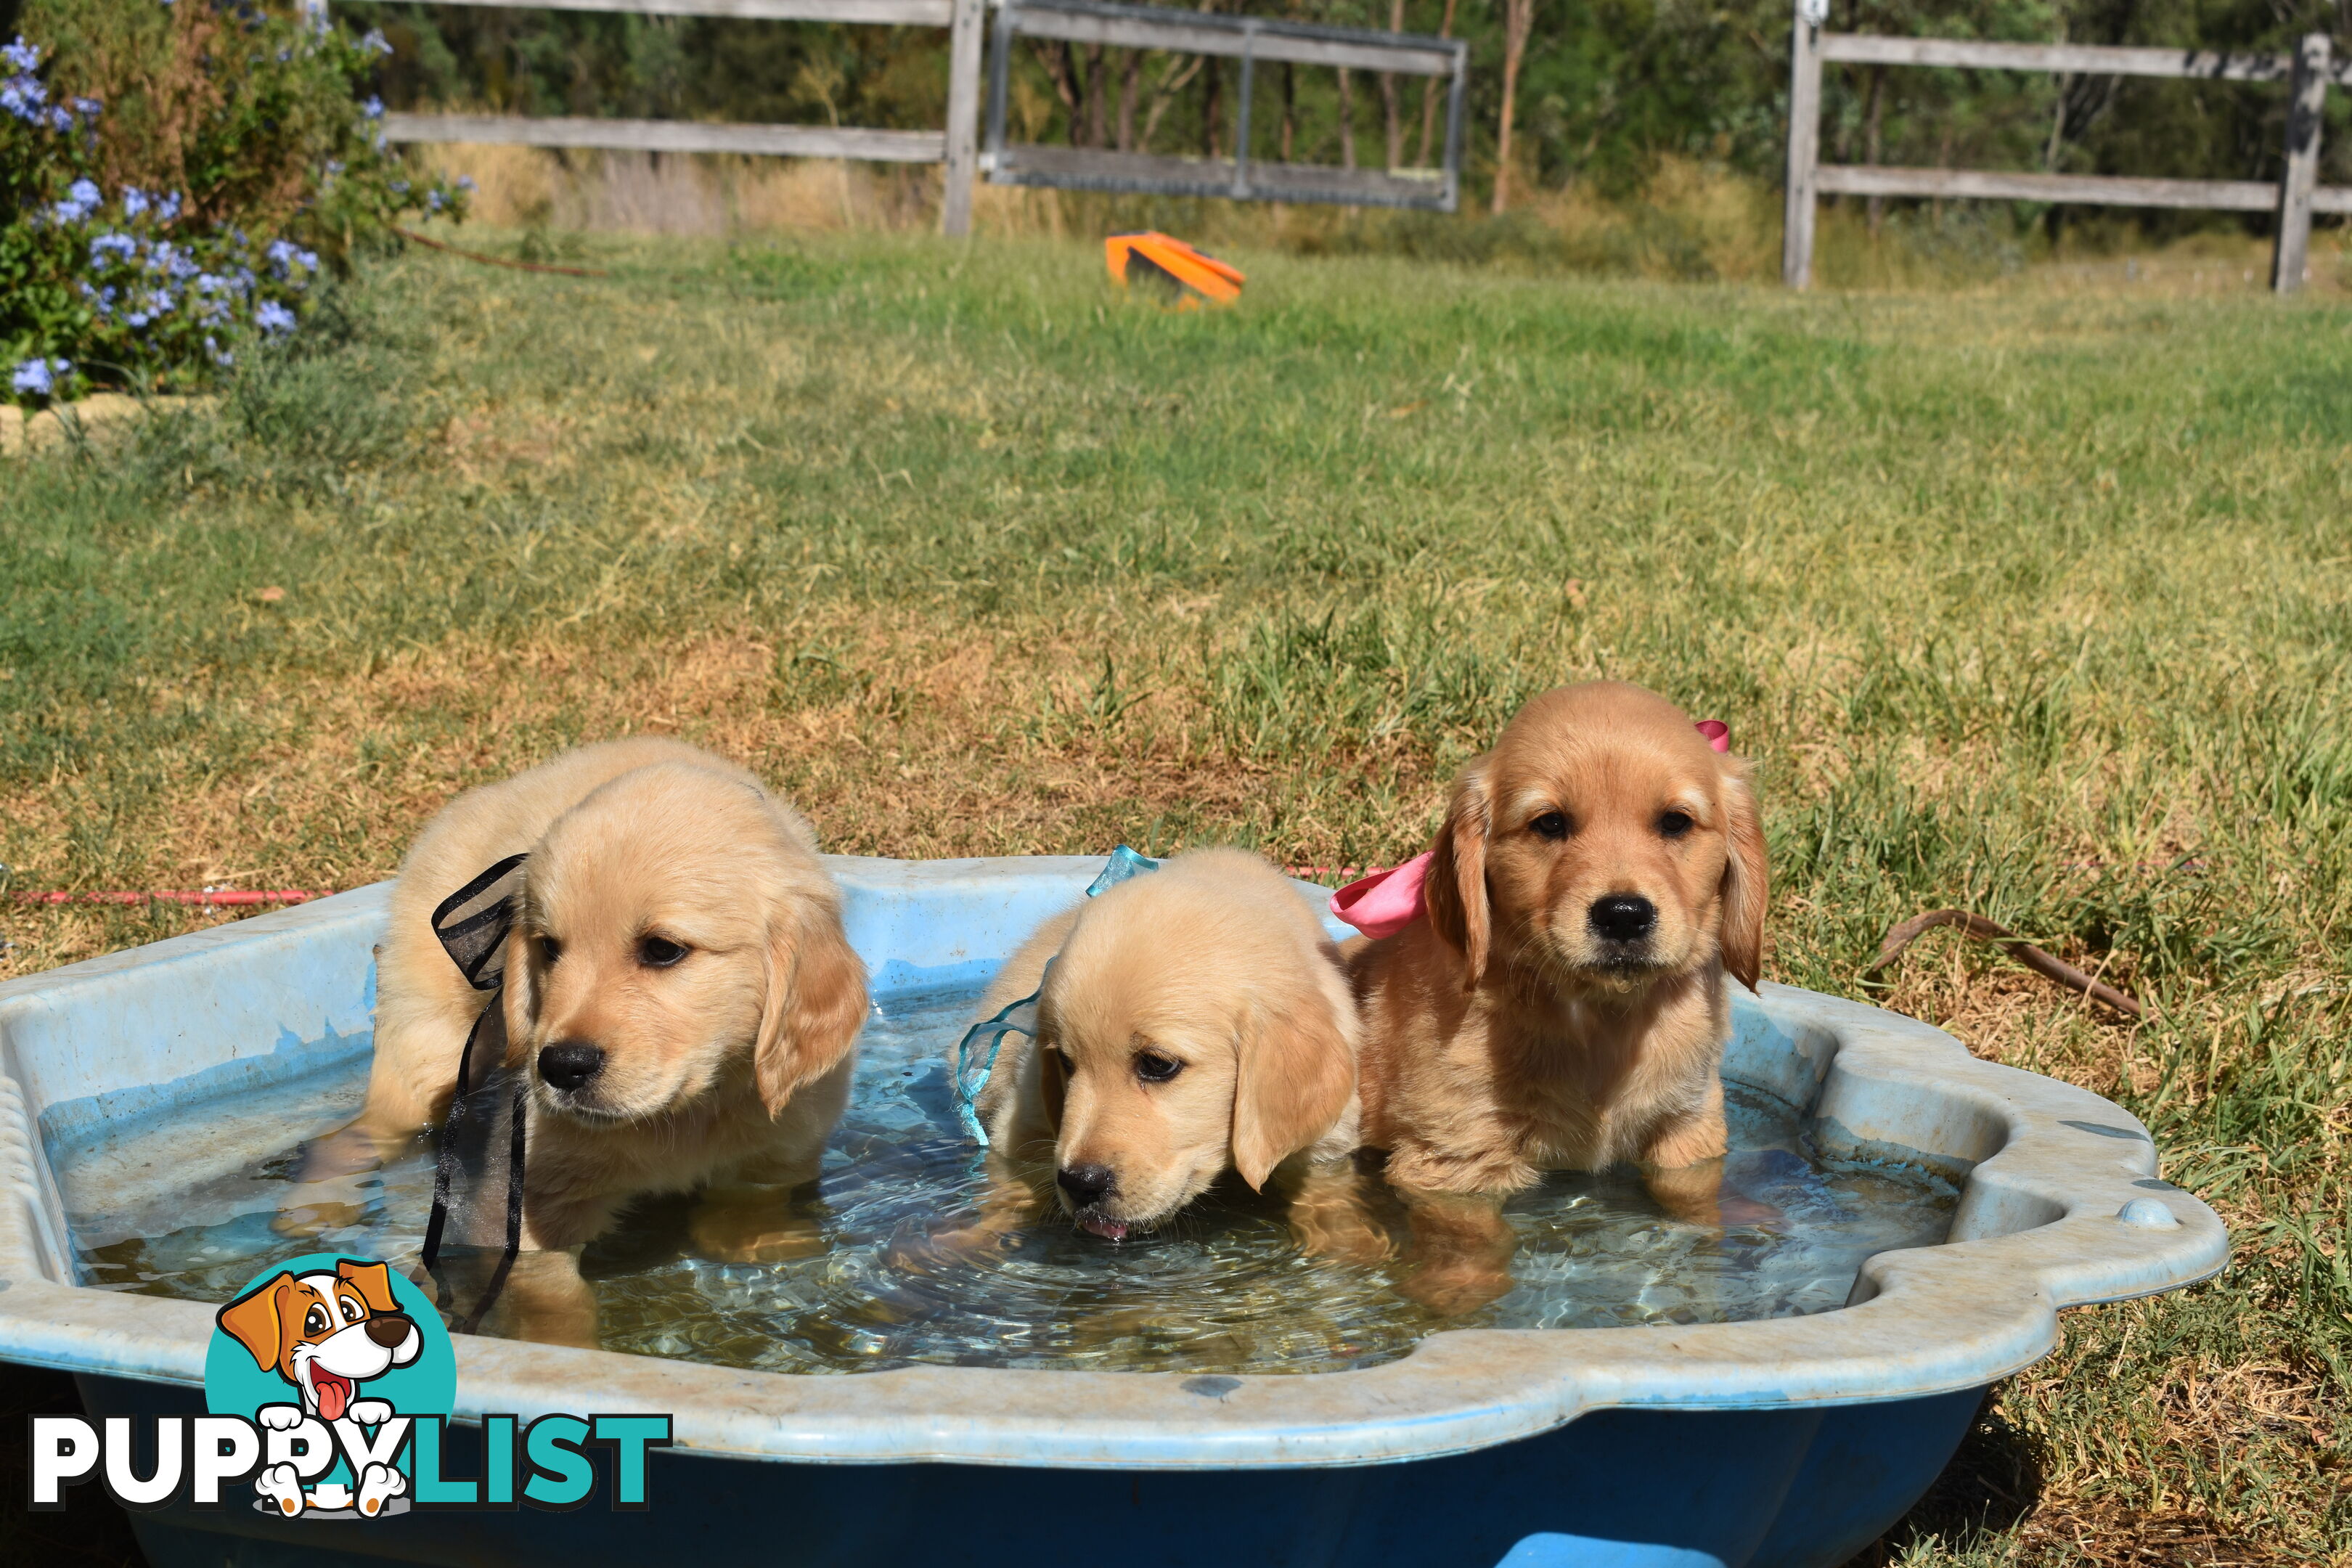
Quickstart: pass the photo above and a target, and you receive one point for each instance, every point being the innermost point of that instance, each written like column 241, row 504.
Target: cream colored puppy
column 1196, row 1020
column 677, row 984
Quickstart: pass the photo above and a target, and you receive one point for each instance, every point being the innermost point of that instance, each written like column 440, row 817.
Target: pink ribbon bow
column 1385, row 902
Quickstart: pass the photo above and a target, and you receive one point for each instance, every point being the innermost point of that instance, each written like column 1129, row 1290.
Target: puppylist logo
column 329, row 1381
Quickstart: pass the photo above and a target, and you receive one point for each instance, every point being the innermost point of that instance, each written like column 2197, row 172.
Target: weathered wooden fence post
column 963, row 116
column 2306, row 102
column 1804, row 141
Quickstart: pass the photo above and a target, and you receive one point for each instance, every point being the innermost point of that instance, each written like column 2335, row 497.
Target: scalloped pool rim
column 2048, row 1171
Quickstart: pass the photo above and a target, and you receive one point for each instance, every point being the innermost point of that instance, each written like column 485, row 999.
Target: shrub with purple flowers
column 176, row 179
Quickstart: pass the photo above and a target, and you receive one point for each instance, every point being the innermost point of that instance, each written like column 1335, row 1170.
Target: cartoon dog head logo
column 298, row 1350
column 325, row 1333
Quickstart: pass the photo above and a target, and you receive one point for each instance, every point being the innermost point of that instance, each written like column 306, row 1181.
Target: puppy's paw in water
column 1362, row 1244
column 739, row 1232
column 309, row 1220
column 917, row 1251
column 1751, row 1214
column 1330, row 1218
column 1456, row 1286
column 329, row 1191
column 1451, row 1278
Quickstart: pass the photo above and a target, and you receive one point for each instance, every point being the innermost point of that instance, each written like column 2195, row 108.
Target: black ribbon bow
column 472, row 924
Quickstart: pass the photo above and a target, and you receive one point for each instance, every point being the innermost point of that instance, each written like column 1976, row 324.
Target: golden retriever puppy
column 1564, row 1003
column 677, row 986
column 1196, row 1019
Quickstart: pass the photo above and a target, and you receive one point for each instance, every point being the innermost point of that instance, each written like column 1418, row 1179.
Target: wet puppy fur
column 677, row 986
column 1196, row 1020
column 1600, row 877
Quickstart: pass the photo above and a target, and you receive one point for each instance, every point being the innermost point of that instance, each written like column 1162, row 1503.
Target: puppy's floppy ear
column 1296, row 1069
column 1747, row 881
column 1454, row 891
column 817, row 997
column 371, row 1280
column 253, row 1320
column 517, row 1005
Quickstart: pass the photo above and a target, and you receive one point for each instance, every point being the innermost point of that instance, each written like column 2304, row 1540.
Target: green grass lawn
column 2032, row 605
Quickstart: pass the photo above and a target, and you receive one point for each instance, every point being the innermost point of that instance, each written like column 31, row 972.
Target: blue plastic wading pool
column 1788, row 1443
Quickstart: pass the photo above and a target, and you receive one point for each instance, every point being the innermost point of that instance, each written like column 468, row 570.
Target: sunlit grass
column 2032, row 602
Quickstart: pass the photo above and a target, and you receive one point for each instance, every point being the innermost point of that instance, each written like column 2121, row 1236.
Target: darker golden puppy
column 677, row 984
column 1563, row 1005
column 1195, row 1020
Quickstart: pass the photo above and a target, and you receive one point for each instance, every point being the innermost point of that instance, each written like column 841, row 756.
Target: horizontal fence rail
column 956, row 145
column 872, row 13
column 2308, row 73
column 1249, row 39
column 675, row 136
column 2079, row 60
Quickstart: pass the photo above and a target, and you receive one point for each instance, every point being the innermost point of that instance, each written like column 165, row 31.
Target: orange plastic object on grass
column 1174, row 265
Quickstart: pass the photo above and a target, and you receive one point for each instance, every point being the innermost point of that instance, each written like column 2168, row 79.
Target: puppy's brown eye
column 1156, row 1067
column 1674, row 824
column 314, row 1321
column 549, row 950
column 1551, row 824
column 658, row 951
column 1063, row 1056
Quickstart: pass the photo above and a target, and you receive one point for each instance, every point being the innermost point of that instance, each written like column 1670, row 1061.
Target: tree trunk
column 1212, row 109
column 1428, row 96
column 1289, row 108
column 1519, row 21
column 2055, row 220
column 1943, row 161
column 1097, row 99
column 1131, row 78
column 1056, row 57
column 1346, row 118
column 1877, row 209
column 1392, row 96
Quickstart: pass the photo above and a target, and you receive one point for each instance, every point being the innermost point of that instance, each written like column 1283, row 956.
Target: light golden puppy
column 677, row 984
column 1196, row 1020
column 1564, row 1005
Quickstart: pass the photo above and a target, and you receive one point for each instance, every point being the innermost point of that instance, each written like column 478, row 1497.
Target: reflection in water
column 852, row 1276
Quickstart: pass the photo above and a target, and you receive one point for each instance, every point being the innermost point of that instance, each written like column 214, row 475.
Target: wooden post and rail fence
column 2308, row 71
column 957, row 144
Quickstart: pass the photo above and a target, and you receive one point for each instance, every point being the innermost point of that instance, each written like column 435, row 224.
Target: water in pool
column 182, row 1206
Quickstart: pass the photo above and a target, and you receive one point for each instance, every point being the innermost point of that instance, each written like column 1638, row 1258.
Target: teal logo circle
column 318, row 1338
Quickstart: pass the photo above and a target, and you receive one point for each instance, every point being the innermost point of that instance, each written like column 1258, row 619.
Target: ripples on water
column 182, row 1207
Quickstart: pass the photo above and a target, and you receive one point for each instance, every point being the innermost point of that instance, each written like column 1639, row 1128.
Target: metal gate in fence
column 1249, row 39
column 956, row 144
column 2308, row 71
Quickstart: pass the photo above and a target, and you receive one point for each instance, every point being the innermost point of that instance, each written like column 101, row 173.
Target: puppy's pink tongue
column 334, row 1395
column 1109, row 1229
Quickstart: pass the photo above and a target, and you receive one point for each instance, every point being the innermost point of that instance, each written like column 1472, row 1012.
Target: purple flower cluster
column 290, row 263
column 38, row 377
column 26, row 97
column 143, row 281
column 82, row 200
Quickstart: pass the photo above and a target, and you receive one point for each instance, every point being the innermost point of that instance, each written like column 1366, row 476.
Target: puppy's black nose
column 388, row 1329
column 1623, row 917
column 570, row 1064
column 1085, row 1184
